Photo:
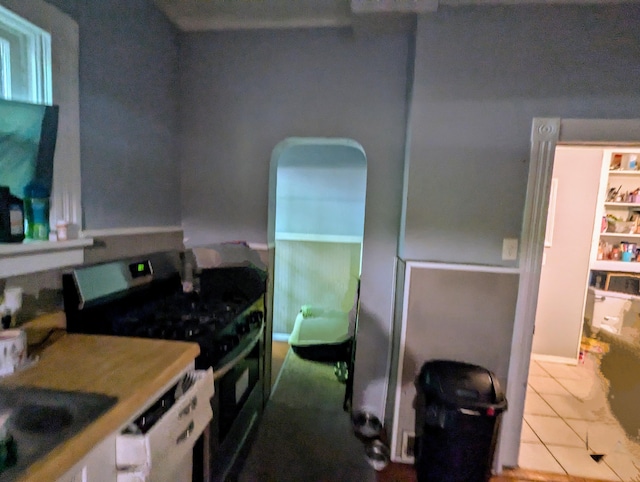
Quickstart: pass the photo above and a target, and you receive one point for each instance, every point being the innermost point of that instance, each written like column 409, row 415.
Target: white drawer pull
column 192, row 406
column 186, row 434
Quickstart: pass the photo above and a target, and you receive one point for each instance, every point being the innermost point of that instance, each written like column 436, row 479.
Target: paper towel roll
column 13, row 350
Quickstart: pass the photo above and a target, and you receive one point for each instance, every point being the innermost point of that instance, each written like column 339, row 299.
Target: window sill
column 33, row 256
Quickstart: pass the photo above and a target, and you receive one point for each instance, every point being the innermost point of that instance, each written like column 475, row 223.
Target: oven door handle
column 218, row 373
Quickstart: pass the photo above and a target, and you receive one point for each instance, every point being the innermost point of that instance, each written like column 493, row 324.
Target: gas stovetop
column 181, row 316
column 144, row 298
column 217, row 326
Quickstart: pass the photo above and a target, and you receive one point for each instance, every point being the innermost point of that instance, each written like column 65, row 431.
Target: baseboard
column 280, row 337
column 554, row 359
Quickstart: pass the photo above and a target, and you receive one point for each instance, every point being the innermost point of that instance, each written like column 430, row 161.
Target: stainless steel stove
column 144, row 297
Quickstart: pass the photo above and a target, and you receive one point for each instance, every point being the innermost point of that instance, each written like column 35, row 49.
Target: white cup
column 13, row 299
column 13, row 350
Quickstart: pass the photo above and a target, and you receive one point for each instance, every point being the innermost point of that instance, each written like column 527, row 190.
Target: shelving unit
column 625, row 180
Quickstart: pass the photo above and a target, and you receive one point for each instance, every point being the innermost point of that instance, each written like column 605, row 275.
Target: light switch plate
column 509, row 249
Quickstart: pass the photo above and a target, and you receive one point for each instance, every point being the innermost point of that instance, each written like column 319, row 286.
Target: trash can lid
column 461, row 384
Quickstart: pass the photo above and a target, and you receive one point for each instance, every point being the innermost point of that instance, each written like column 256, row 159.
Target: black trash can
column 458, row 412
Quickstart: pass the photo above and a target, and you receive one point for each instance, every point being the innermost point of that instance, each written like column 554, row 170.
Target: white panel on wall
column 453, row 312
column 313, row 273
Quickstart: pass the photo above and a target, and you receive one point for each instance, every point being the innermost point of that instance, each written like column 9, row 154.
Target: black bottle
column 11, row 217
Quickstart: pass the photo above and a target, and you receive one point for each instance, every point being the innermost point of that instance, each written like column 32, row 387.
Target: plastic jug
column 36, row 212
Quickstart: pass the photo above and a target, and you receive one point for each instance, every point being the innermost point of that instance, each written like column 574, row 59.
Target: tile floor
column 566, row 408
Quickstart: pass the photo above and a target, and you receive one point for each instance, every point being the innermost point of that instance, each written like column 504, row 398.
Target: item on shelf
column 615, row 253
column 616, row 162
column 614, row 195
column 11, row 217
column 36, row 207
column 629, row 162
column 629, row 227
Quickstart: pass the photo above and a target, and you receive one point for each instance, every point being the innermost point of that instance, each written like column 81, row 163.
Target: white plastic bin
column 607, row 310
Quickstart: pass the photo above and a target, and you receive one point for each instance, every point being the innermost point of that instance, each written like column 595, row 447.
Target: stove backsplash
column 42, row 291
column 241, row 283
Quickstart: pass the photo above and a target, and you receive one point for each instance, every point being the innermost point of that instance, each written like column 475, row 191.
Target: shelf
column 621, row 172
column 27, row 247
column 622, row 205
column 625, row 266
column 34, row 256
column 620, row 235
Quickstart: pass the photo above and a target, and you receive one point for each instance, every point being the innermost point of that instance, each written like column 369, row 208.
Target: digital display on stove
column 140, row 269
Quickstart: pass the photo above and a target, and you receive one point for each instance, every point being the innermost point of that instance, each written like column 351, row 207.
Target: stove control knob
column 255, row 318
column 227, row 343
column 243, row 327
column 224, row 346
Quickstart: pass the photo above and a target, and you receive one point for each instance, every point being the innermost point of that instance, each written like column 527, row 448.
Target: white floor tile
column 574, row 372
column 603, row 437
column 554, row 430
column 583, row 389
column 624, row 465
column 536, row 456
column 535, row 370
column 535, row 405
column 546, row 385
column 567, row 406
column 576, row 461
column 527, row 434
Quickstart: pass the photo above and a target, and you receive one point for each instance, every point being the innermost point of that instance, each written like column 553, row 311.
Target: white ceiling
column 199, row 15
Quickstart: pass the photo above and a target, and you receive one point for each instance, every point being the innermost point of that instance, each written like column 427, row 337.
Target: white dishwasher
column 158, row 445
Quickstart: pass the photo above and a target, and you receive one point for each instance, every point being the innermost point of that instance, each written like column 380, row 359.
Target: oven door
column 237, row 405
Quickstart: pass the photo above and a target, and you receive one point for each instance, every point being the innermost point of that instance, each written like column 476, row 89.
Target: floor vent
column 408, row 445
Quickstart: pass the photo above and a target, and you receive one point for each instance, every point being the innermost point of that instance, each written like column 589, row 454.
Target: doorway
column 317, row 196
column 567, row 417
column 546, row 135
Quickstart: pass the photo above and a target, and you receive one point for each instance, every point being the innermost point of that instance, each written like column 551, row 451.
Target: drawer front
column 173, row 435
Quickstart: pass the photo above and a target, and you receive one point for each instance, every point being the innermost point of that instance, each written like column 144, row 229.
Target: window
column 39, row 63
column 25, row 60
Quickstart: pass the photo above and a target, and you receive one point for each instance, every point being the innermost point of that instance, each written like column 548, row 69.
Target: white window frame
column 34, row 55
column 5, row 69
column 65, row 92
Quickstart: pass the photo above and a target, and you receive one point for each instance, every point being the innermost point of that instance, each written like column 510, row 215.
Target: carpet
column 303, row 383
column 304, row 434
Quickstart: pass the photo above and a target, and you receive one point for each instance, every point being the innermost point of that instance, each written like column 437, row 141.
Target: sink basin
column 40, row 419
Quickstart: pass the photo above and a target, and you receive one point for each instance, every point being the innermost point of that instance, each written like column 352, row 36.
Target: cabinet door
column 565, row 271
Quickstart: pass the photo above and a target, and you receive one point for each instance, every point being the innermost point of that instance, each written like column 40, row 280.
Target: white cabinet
column 164, row 453
column 98, row 466
column 157, row 446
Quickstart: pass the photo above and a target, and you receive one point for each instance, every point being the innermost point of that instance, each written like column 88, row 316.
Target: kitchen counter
column 132, row 369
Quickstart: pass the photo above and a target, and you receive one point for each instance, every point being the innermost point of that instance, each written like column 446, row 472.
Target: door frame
column 546, row 134
column 274, row 163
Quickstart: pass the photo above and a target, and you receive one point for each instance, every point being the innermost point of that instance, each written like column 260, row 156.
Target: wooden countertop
column 132, row 369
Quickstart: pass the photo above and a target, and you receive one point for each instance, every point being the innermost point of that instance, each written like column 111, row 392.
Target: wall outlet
column 510, row 249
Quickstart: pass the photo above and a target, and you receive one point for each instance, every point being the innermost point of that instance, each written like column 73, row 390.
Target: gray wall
column 565, row 272
column 481, row 75
column 244, row 92
column 128, row 113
